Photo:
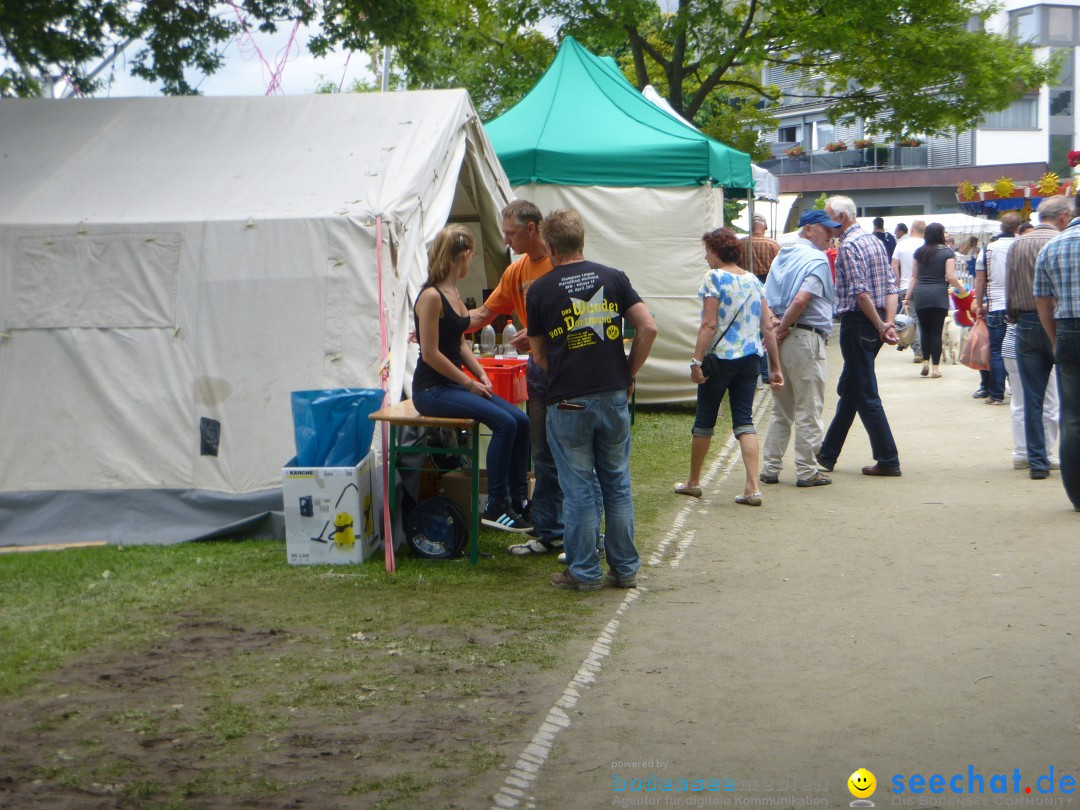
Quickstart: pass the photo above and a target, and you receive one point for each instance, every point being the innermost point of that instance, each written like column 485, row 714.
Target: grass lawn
column 195, row 674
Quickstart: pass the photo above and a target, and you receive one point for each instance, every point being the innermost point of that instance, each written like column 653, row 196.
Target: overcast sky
column 246, row 74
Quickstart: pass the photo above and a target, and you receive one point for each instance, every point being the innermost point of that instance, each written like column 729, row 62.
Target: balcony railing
column 869, row 159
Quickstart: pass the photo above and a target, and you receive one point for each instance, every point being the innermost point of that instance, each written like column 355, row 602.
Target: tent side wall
column 654, row 236
column 146, row 366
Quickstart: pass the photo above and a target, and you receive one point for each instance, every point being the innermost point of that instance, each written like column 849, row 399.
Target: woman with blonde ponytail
column 442, row 388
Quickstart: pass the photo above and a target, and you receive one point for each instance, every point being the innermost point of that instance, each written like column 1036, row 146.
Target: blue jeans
column 995, row 384
column 1035, row 361
column 739, row 379
column 508, row 450
column 592, row 445
column 547, row 499
column 858, row 392
column 1067, row 356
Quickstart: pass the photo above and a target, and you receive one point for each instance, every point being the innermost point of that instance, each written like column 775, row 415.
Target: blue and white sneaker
column 502, row 515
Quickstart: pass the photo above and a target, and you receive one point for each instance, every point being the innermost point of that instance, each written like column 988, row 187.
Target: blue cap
column 816, row 217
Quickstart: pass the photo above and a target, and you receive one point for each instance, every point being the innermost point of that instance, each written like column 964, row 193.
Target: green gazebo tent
column 647, row 185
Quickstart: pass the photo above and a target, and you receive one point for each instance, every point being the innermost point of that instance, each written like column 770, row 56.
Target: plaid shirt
column 1057, row 272
column 765, row 251
column 862, row 266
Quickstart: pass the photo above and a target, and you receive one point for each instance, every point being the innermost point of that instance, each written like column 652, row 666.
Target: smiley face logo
column 862, row 784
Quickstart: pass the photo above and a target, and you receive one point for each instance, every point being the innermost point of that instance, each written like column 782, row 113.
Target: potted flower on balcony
column 911, row 141
column 795, row 151
column 836, row 146
column 863, row 143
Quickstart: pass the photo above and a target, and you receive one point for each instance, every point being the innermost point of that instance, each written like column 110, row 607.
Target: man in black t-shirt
column 578, row 313
column 887, row 239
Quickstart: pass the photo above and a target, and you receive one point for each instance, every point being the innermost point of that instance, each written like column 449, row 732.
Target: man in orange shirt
column 521, row 232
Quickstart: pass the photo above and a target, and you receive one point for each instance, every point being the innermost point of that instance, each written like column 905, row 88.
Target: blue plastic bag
column 332, row 427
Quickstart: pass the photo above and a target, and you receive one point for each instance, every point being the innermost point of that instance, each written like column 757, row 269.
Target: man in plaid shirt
column 1057, row 299
column 866, row 303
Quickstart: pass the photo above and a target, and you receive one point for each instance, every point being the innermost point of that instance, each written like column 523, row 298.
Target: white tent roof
column 169, row 263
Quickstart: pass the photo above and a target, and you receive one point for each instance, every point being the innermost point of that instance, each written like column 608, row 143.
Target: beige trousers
column 798, row 402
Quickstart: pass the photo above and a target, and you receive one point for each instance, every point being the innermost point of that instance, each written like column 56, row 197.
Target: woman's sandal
column 686, row 489
column 753, row 499
column 935, row 374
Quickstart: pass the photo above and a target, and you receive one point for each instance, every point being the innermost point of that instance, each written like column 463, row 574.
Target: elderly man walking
column 866, row 302
column 800, row 293
column 1057, row 299
column 1038, row 402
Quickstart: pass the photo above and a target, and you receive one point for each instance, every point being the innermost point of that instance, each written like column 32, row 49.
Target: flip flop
column 753, row 499
column 686, row 489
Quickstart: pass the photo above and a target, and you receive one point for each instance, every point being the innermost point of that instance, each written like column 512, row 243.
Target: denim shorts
column 739, row 379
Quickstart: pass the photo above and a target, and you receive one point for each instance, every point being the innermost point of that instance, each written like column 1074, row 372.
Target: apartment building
column 1022, row 142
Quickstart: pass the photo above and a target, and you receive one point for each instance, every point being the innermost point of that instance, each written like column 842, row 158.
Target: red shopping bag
column 975, row 353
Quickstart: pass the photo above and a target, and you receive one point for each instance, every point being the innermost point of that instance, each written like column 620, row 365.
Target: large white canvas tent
column 647, row 186
column 171, row 269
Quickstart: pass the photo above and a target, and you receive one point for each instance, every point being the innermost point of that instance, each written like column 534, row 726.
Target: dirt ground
column 916, row 626
column 145, row 730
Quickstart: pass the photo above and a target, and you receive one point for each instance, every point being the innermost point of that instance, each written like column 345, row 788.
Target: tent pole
column 750, row 235
column 388, row 526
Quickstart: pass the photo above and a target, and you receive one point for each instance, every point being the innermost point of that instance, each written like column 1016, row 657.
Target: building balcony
column 873, row 158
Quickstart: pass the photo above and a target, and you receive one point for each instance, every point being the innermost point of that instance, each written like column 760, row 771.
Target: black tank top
column 451, row 327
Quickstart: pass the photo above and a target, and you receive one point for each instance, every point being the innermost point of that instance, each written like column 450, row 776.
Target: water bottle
column 487, row 341
column 509, row 333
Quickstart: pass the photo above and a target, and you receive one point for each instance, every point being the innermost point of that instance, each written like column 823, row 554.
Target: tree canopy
column 903, row 65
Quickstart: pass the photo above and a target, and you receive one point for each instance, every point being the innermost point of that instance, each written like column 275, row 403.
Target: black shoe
column 767, row 478
column 824, row 463
column 524, row 508
column 1038, row 475
column 982, row 393
column 502, row 515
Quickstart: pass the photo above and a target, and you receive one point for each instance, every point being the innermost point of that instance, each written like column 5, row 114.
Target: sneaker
column 503, row 516
column 1055, row 464
column 993, row 401
column 524, row 508
column 533, row 547
column 818, row 479
column 562, row 557
column 1020, row 463
column 622, row 582
column 568, row 582
column 769, row 478
column 980, row 393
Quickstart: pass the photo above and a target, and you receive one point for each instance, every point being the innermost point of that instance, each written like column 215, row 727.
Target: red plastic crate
column 507, row 375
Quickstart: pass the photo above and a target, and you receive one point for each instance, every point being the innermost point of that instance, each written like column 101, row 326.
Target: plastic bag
column 975, row 353
column 332, row 427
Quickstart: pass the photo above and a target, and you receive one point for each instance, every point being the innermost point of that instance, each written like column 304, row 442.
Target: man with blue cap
column 799, row 290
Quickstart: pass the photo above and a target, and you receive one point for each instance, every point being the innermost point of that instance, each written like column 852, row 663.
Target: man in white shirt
column 903, row 259
column 991, row 282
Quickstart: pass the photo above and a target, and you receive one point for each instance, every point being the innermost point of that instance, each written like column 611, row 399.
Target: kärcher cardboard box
column 332, row 514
